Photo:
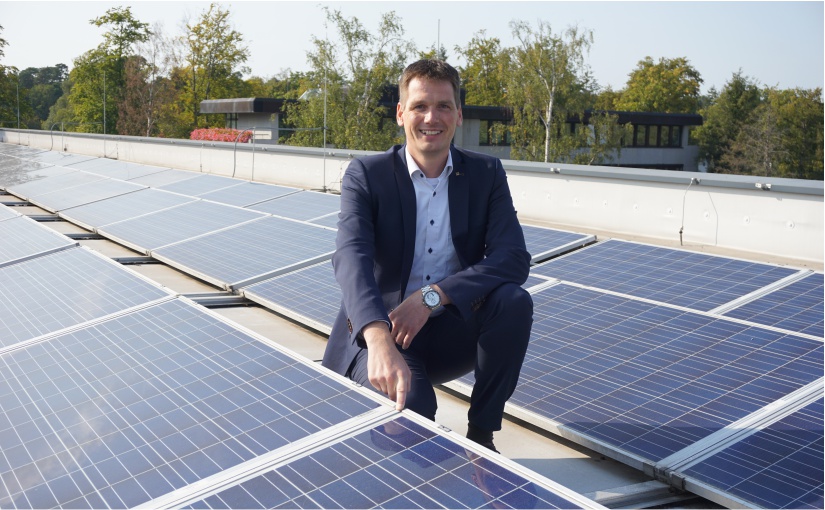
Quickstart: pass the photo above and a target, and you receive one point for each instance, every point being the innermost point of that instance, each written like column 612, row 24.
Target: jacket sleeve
column 505, row 259
column 354, row 256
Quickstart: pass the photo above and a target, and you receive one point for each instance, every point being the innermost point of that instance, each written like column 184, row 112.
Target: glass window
column 676, row 136
column 664, row 136
column 640, row 135
column 652, row 136
column 232, row 120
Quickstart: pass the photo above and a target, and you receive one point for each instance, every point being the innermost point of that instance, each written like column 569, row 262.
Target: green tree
column 484, row 76
column 215, row 56
column 800, row 119
column 724, row 117
column 8, row 90
column 41, row 88
column 669, row 86
column 548, row 80
column 350, row 76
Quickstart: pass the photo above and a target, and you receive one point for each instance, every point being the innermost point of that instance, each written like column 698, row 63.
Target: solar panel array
column 23, row 238
column 115, row 393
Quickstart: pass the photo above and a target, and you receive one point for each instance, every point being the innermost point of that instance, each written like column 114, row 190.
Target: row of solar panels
column 116, row 393
column 688, row 280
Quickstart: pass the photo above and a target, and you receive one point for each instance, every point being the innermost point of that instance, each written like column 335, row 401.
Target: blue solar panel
column 177, row 224
column 330, row 220
column 87, row 193
column 123, row 207
column 247, row 193
column 202, row 183
column 543, row 243
column 648, row 379
column 126, row 410
column 533, row 280
column 67, row 288
column 397, row 464
column 23, row 238
column 780, row 466
column 310, row 296
column 683, row 278
column 797, row 307
column 306, row 205
column 261, row 248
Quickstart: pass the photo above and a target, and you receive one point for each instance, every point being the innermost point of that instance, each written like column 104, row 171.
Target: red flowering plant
column 220, row 135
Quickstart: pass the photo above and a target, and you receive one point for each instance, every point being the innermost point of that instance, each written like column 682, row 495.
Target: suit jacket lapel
column 459, row 201
column 406, row 193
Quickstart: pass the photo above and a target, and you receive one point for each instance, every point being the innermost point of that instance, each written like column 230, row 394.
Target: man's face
column 430, row 117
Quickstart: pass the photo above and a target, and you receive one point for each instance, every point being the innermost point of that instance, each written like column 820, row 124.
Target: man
column 430, row 258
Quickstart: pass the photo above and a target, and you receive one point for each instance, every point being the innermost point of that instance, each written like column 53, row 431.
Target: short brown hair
column 427, row 69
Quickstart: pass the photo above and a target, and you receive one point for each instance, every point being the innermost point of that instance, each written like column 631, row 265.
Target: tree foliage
column 669, row 86
column 484, row 76
column 349, row 78
column 8, row 90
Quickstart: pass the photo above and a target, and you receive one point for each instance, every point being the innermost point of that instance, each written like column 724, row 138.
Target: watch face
column 432, row 299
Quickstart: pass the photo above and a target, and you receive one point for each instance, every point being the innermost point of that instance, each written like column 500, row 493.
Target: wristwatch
column 430, row 297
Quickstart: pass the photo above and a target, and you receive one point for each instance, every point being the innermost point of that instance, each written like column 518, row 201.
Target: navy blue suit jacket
column 376, row 240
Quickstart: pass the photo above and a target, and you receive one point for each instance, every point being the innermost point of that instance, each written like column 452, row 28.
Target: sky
column 776, row 43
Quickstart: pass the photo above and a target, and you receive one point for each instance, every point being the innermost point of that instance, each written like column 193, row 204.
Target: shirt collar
column 413, row 167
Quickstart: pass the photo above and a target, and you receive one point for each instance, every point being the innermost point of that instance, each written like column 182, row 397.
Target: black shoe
column 490, row 446
column 482, row 437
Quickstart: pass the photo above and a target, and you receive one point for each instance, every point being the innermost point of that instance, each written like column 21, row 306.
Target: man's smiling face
column 430, row 117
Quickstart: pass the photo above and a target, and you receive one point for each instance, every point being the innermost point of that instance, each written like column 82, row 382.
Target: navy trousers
column 492, row 343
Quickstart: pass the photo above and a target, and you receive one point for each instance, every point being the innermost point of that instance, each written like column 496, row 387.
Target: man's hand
column 386, row 368
column 410, row 317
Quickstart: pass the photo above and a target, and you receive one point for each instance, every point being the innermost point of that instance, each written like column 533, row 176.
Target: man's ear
column 399, row 114
column 460, row 117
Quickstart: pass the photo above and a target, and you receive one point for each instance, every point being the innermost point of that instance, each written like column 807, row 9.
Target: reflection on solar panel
column 163, row 178
column 683, row 278
column 177, row 224
column 247, row 193
column 543, row 243
column 48, row 293
column 797, row 307
column 115, row 169
column 396, row 464
column 59, row 182
column 304, row 205
column 128, row 409
column 200, row 184
column 650, row 380
column 123, row 207
column 87, row 193
column 779, row 466
column 23, row 238
column 251, row 252
column 310, row 296
column 58, row 158
column 25, row 171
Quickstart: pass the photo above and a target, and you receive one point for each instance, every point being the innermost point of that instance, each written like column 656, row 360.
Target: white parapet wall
column 768, row 218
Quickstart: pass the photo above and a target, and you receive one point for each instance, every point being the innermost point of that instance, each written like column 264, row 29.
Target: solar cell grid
column 23, row 238
column 124, row 207
column 797, row 307
column 200, row 184
column 780, row 466
column 310, row 295
column 78, row 195
column 648, row 379
column 254, row 249
column 330, row 220
column 692, row 280
column 48, row 293
column 164, row 177
column 127, row 410
column 304, row 205
column 543, row 243
column 398, row 464
column 247, row 193
column 177, row 224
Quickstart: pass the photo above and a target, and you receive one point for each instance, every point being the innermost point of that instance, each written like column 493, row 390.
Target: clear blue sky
column 777, row 43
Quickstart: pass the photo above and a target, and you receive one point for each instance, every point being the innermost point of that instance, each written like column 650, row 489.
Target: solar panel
column 305, row 205
column 25, row 171
column 533, row 280
column 58, row 182
column 648, row 380
column 7, row 213
column 24, row 238
column 797, row 307
column 128, row 409
column 72, row 286
column 176, row 224
column 84, row 194
column 779, row 466
column 200, row 184
column 123, row 207
column 543, row 243
column 164, row 177
column 310, row 296
column 399, row 463
column 683, row 278
column 58, row 158
column 251, row 252
column 115, row 169
column 247, row 193
column 330, row 220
